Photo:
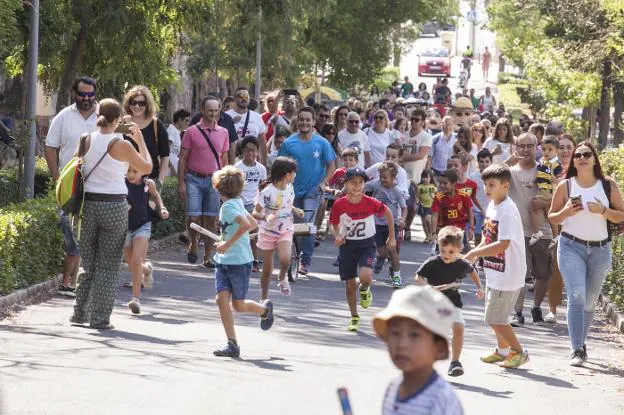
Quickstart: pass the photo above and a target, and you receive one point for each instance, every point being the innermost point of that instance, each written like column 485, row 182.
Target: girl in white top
column 379, row 137
column 274, row 211
column 105, row 213
column 583, row 207
column 502, row 144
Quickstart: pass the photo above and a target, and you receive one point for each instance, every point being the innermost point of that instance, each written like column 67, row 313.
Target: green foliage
column 31, row 244
column 9, row 184
column 386, row 78
column 611, row 162
column 9, row 11
column 171, row 200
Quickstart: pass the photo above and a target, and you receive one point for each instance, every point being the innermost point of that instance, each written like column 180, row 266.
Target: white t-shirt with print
column 253, row 176
column 412, row 145
column 357, row 140
column 507, row 270
column 255, row 126
column 280, row 204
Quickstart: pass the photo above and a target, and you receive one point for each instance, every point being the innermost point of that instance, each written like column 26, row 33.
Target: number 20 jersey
column 362, row 214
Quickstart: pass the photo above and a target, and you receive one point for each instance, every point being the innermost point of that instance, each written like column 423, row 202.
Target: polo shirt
column 201, row 158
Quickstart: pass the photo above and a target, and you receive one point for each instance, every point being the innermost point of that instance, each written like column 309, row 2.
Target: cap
column 422, row 304
column 355, row 172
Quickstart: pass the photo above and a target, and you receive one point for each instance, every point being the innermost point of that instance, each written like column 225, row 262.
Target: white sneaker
column 550, row 318
column 135, row 306
column 148, row 278
column 535, row 237
column 284, row 286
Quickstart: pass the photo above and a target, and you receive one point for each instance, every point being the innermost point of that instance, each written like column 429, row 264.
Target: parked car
column 434, row 61
column 431, row 28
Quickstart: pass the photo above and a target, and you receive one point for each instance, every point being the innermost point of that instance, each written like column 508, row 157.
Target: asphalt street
column 161, row 361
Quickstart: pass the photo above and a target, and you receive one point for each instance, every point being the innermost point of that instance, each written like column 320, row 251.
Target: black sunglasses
column 354, row 121
column 134, row 103
column 380, row 117
column 416, row 119
column 323, row 115
column 86, row 94
column 586, row 155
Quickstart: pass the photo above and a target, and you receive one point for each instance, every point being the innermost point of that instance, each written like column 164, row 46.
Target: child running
column 386, row 191
column 415, row 326
column 356, row 212
column 548, row 170
column 444, row 273
column 255, row 174
column 503, row 252
column 425, row 192
column 140, row 188
column 274, row 209
column 234, row 259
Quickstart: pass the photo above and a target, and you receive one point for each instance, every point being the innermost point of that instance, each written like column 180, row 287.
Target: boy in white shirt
column 504, row 261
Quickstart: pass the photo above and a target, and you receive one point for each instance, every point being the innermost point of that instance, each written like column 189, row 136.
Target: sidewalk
column 161, row 362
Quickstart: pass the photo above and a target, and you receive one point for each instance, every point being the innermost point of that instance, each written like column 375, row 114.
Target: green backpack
column 70, row 184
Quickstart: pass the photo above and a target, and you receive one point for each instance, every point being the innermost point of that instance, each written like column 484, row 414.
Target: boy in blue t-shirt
column 234, row 259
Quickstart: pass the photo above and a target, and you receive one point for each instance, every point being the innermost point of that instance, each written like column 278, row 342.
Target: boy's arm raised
column 487, row 250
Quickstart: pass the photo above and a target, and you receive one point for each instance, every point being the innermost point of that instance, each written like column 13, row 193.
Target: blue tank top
column 138, row 200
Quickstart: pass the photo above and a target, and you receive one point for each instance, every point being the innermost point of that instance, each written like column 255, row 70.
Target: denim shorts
column 69, row 236
column 250, row 207
column 479, row 220
column 202, row 199
column 145, row 231
column 233, row 278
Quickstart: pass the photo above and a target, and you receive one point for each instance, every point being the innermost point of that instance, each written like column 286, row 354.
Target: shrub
column 176, row 221
column 31, row 244
column 9, row 183
column 611, row 162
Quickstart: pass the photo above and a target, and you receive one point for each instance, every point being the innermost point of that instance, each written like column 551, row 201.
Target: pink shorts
column 268, row 240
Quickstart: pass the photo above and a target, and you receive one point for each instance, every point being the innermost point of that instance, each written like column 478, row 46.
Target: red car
column 434, row 61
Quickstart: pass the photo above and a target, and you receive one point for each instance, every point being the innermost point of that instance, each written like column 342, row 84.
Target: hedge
column 31, row 244
column 612, row 162
column 176, row 221
column 9, row 184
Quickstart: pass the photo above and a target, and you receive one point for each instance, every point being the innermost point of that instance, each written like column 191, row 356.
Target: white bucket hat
column 422, row 304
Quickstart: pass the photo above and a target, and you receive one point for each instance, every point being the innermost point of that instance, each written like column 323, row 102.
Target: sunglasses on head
column 86, row 94
column 585, row 154
column 134, row 103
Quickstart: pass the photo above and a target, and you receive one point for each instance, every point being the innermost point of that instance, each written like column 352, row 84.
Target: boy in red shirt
column 353, row 226
column 451, row 208
column 464, row 185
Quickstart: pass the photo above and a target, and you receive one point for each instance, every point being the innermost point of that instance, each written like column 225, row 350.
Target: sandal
column 209, row 263
column 284, row 287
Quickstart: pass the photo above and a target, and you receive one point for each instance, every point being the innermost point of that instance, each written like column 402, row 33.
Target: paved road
column 161, row 362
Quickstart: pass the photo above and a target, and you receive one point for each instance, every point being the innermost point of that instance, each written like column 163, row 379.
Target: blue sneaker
column 267, row 318
column 232, row 349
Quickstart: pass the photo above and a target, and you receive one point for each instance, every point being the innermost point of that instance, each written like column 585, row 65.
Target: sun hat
column 355, row 172
column 422, row 304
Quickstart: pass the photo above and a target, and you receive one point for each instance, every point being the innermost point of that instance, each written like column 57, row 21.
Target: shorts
column 202, row 199
column 382, row 232
column 69, row 236
column 412, row 201
column 498, row 305
column 540, row 259
column 353, row 255
column 424, row 211
column 479, row 220
column 268, row 240
column 145, row 231
column 233, row 278
column 250, row 207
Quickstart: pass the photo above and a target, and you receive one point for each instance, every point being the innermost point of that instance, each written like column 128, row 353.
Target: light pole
column 259, row 56
column 31, row 109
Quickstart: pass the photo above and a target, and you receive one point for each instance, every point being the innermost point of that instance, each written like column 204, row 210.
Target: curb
column 614, row 315
column 25, row 295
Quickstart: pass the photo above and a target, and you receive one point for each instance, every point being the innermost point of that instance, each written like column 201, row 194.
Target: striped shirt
column 435, row 398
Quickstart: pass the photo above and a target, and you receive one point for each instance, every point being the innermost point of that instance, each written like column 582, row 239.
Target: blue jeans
column 309, row 203
column 202, row 199
column 584, row 269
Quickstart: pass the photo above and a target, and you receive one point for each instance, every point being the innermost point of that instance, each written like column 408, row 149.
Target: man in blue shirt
column 315, row 165
column 442, row 146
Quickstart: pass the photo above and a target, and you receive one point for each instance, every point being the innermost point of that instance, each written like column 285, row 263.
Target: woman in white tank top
column 105, row 213
column 580, row 204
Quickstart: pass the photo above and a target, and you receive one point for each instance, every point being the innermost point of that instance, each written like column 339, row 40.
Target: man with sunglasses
column 322, row 117
column 247, row 122
column 271, row 106
column 60, row 144
column 523, row 191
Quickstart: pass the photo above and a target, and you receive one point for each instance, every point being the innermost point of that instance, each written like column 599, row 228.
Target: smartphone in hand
column 123, row 128
column 343, row 395
column 577, row 200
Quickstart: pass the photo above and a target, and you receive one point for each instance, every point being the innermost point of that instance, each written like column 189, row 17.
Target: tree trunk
column 618, row 103
column 71, row 67
column 605, row 105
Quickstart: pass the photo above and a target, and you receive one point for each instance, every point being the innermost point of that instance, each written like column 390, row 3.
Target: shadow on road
column 482, row 391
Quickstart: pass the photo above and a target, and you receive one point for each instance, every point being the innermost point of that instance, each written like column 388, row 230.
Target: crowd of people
column 516, row 203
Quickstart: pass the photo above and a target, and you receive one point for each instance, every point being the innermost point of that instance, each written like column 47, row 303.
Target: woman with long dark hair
column 583, row 204
column 501, row 145
column 340, row 117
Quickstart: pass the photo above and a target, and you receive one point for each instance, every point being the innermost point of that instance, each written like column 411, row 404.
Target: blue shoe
column 232, row 349
column 267, row 319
